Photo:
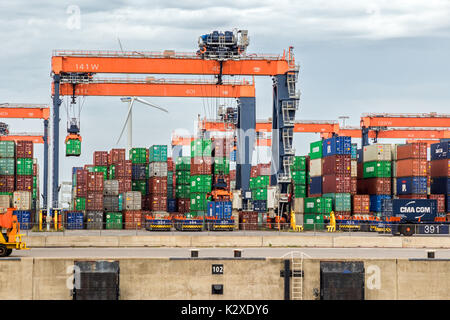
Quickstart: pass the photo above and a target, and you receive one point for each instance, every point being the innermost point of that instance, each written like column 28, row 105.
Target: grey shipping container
column 132, row 200
column 94, row 220
column 111, row 188
column 111, row 203
column 158, row 169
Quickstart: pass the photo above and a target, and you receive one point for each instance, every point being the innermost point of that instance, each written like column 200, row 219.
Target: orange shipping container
column 411, row 168
column 412, row 151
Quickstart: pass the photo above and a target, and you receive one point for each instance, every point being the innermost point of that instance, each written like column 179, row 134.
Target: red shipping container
column 233, row 175
column 7, row 183
column 336, row 183
column 264, row 169
column 248, row 220
column 340, row 163
column 24, row 183
column 157, row 185
column 145, row 202
column 35, row 169
column 95, row 182
column 100, row 158
column 183, row 205
column 81, row 190
column 412, row 196
column 377, row 186
column 412, row 151
column 158, row 202
column 343, row 214
column 361, row 204
column 132, row 219
column 82, row 177
column 125, row 184
column 87, row 166
column 440, row 168
column 354, row 186
column 201, row 165
column 169, row 164
column 411, row 167
column 116, row 156
column 440, row 201
column 24, row 149
column 254, row 172
column 202, row 161
column 94, row 201
column 360, row 170
column 222, row 147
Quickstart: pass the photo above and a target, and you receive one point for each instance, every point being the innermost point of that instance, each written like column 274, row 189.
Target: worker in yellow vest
column 332, row 226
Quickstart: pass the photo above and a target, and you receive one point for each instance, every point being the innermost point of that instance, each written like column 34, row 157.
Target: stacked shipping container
column 440, row 175
column 201, row 176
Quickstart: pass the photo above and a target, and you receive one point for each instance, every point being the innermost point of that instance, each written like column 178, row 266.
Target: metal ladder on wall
column 296, row 258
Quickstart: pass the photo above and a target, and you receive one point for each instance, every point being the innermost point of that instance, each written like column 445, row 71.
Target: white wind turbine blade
column 130, row 107
column 151, row 104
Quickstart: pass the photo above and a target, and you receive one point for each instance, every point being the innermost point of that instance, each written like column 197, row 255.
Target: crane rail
column 407, row 115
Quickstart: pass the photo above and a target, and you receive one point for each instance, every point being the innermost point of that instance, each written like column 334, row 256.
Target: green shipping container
column 196, row 213
column 299, row 163
column 34, row 193
column 313, row 222
column 24, row 167
column 138, row 155
column 221, row 165
column 299, row 177
column 34, row 181
column 324, row 205
column 7, row 149
column 183, row 164
column 300, row 191
column 183, row 191
column 310, row 205
column 315, row 150
column 377, row 169
column 201, row 148
column 158, row 153
column 103, row 169
column 169, row 178
column 114, row 220
column 80, row 204
column 139, row 185
column 341, row 201
column 259, row 194
column 73, row 147
column 201, row 183
column 6, row 193
column 183, row 177
column 198, row 202
column 112, row 172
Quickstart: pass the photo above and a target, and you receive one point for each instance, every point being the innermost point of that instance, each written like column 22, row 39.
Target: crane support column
column 246, row 137
column 285, row 103
column 55, row 140
column 45, row 194
column 364, row 136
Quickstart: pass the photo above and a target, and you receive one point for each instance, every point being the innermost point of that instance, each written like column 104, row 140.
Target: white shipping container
column 394, row 186
column 22, row 200
column 315, row 167
column 133, row 200
column 394, row 169
column 299, row 217
column 377, row 152
column 271, row 197
column 5, row 201
column 299, row 207
column 354, row 170
column 158, row 169
column 394, row 151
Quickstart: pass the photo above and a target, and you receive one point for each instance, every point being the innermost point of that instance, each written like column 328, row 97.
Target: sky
column 354, row 57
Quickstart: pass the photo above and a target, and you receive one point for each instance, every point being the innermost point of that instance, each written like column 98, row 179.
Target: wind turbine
column 129, row 119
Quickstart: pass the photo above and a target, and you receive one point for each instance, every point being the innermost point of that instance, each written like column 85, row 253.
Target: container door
column 342, row 280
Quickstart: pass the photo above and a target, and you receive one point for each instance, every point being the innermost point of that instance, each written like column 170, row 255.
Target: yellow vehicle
column 12, row 239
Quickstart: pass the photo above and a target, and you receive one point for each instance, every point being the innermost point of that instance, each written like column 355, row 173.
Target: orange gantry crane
column 74, row 73
column 29, row 111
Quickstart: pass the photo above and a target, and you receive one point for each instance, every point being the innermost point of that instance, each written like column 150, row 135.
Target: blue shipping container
column 219, row 209
column 171, row 205
column 412, row 185
column 233, row 155
column 413, row 209
column 440, row 150
column 75, row 169
column 138, row 171
column 376, row 202
column 354, row 152
column 24, row 219
column 448, row 204
column 440, row 185
column 386, row 208
column 74, row 220
column 315, row 185
column 359, row 156
column 260, row 205
column 336, row 145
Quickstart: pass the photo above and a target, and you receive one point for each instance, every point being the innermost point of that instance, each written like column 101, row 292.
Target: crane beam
column 405, row 120
column 158, row 63
column 33, row 138
column 24, row 111
column 158, row 89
